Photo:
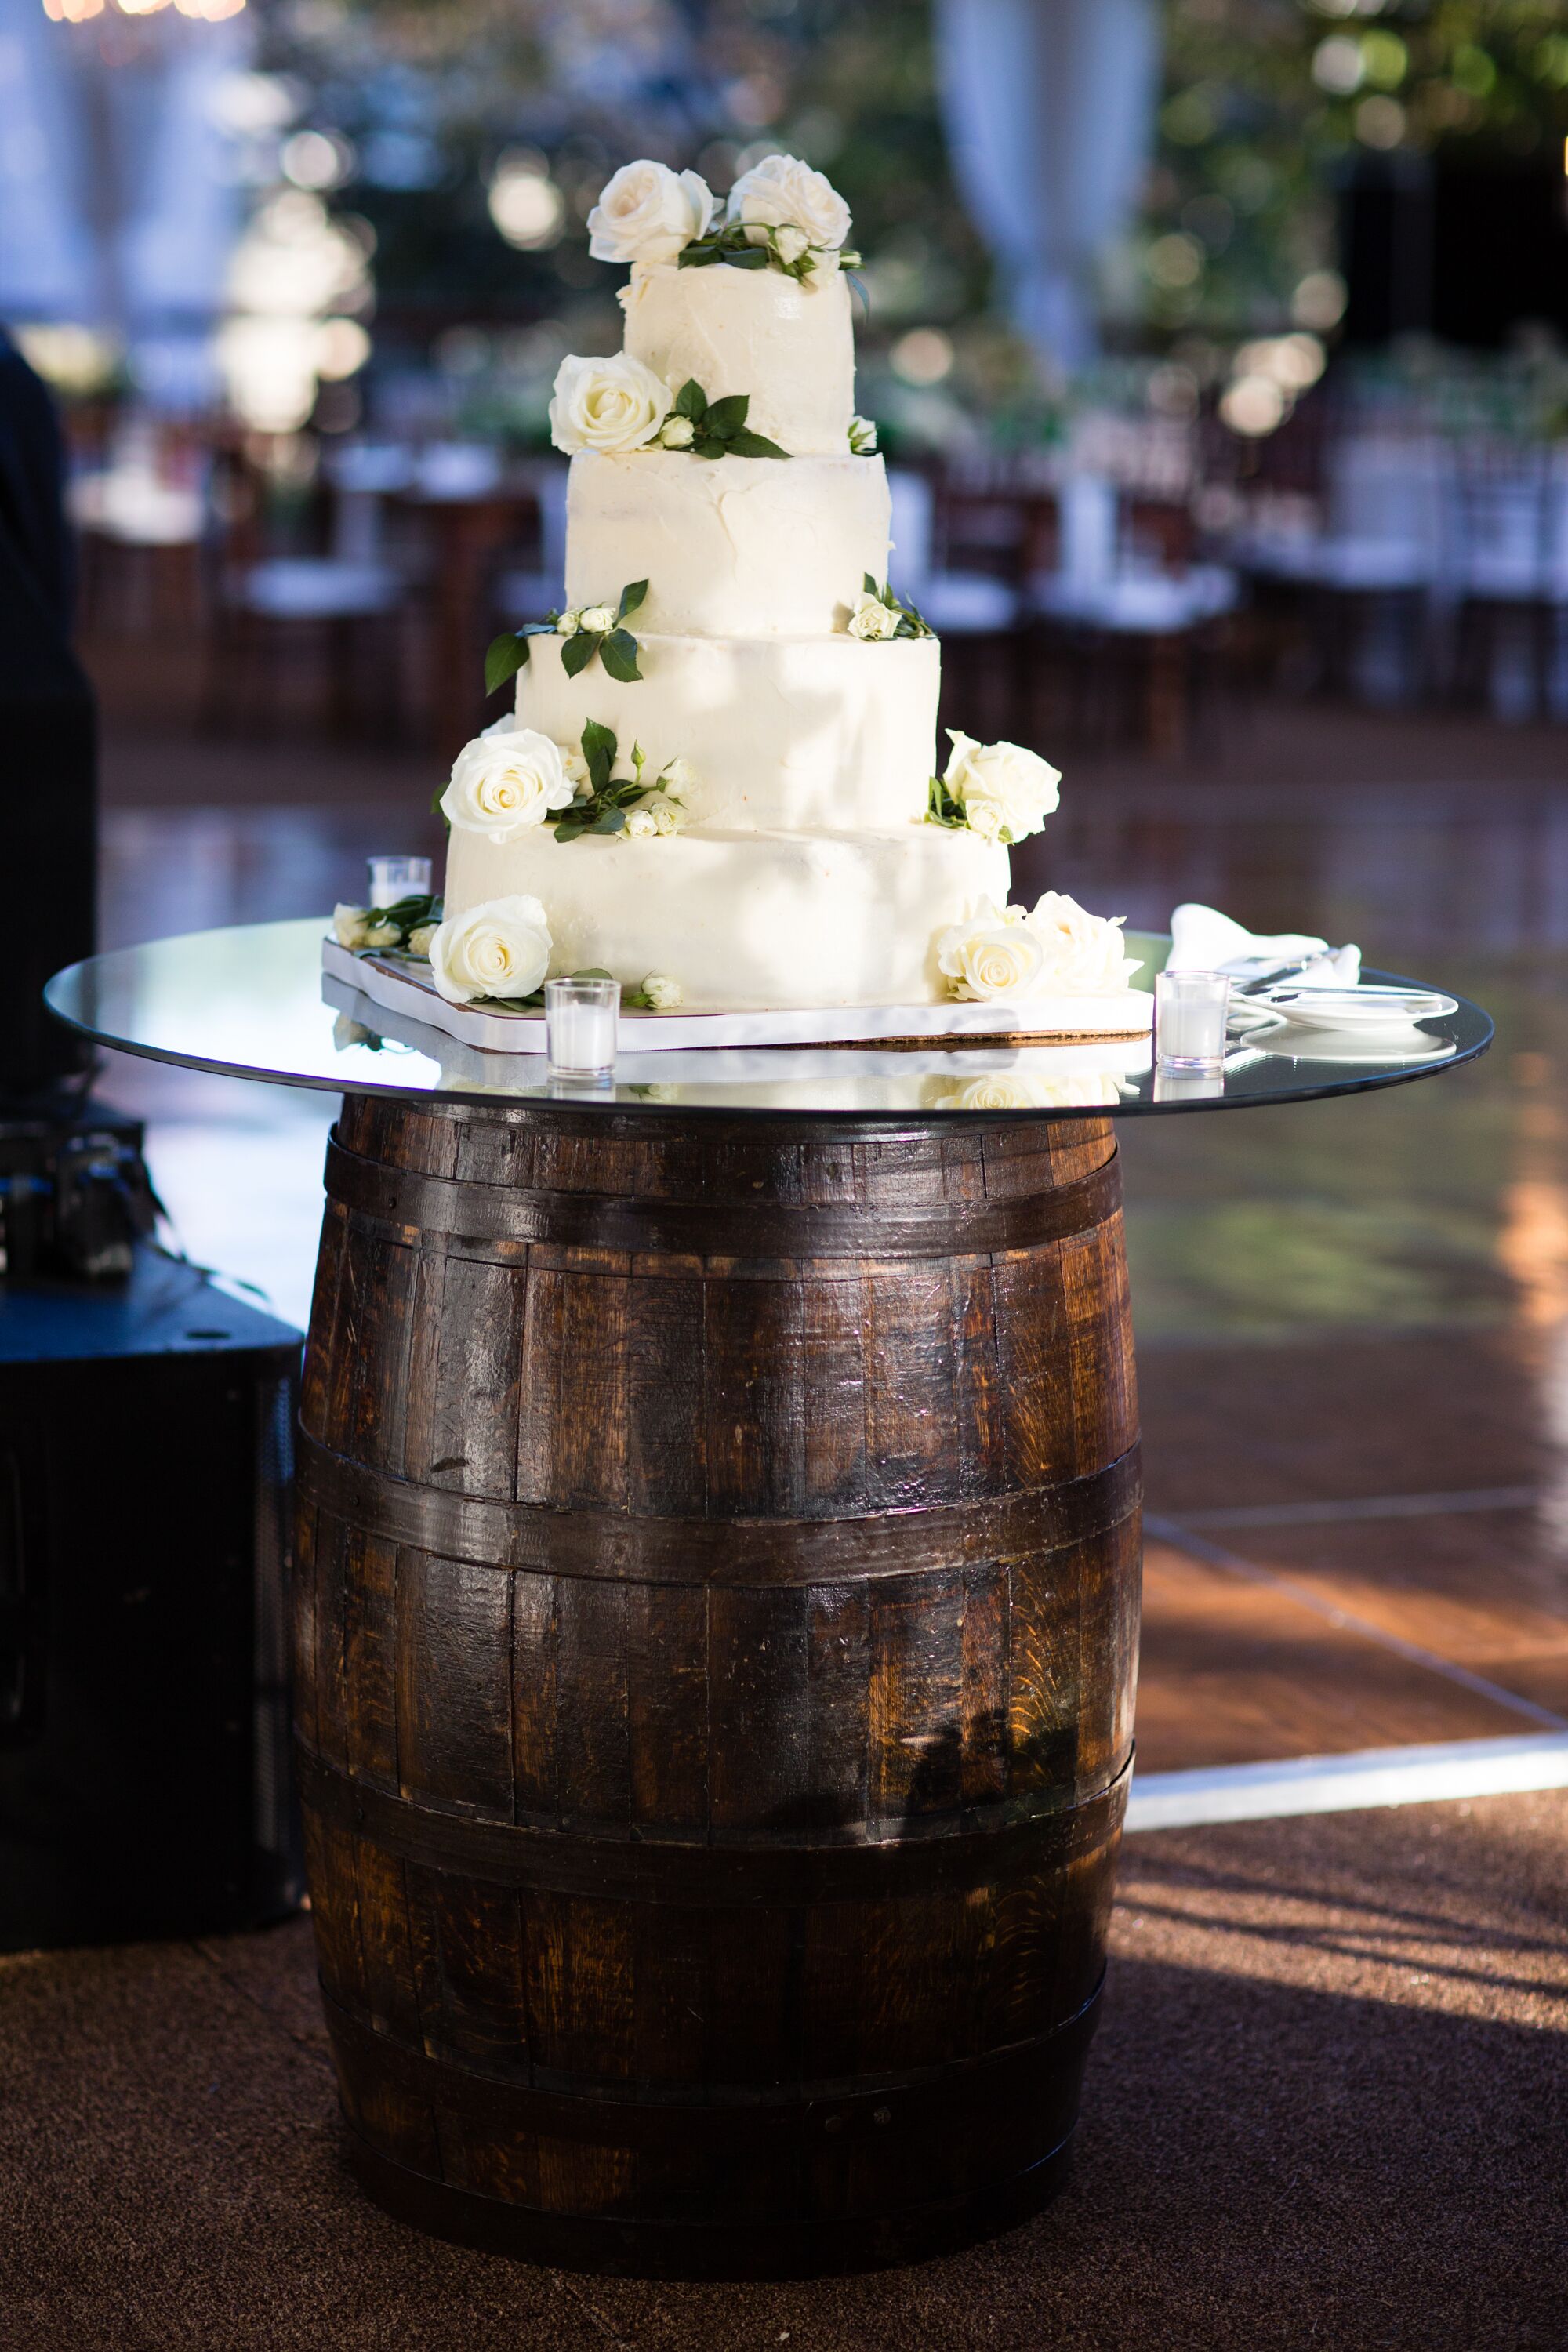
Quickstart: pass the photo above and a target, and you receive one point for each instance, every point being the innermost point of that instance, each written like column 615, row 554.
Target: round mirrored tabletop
column 252, row 1001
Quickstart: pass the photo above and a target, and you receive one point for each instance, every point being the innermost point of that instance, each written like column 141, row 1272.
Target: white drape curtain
column 117, row 208
column 1049, row 110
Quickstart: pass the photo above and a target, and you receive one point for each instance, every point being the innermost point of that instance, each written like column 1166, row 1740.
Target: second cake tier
column 784, row 733
column 744, row 921
column 761, row 547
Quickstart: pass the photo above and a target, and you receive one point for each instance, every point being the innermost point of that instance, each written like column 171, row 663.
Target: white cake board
column 406, row 989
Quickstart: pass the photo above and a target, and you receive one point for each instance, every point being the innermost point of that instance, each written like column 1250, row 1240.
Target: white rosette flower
column 499, row 948
column 873, row 620
column 782, row 192
column 989, row 956
column 663, row 993
column 351, row 925
column 1026, row 1090
column 505, row 784
column 646, row 212
column 1005, row 791
column 1085, row 955
column 419, row 941
column 612, row 405
column 597, row 619
column 639, row 826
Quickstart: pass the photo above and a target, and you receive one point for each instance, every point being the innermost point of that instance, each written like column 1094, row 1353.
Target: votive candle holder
column 582, row 1024
column 1191, row 1009
column 392, row 878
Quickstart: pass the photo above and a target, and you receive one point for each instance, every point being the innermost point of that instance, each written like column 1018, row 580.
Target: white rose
column 610, row 405
column 383, row 934
column 790, row 243
column 665, row 820
column 502, row 948
column 568, row 623
column 985, row 819
column 677, row 775
column 1020, row 786
column 351, row 925
column 503, row 784
column 419, row 941
column 662, row 992
column 639, row 826
column 780, row 192
column 822, row 265
column 1085, row 955
column 576, row 772
column 871, row 618
column 677, row 432
column 597, row 619
column 646, row 212
column 987, row 957
column 1025, row 1091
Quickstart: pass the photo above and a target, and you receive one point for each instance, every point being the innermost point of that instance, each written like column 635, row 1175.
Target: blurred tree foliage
column 1266, row 104
column 1270, row 104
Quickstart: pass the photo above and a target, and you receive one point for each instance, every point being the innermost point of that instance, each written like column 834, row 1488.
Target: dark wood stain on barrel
column 715, row 1631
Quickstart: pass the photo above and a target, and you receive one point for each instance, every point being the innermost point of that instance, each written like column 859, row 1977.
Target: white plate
column 1353, row 1008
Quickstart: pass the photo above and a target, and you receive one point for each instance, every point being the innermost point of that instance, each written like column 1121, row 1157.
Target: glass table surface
column 252, row 1001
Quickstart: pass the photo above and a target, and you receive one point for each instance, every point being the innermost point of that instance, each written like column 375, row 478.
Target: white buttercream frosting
column 729, row 546
column 791, row 348
column 747, row 920
column 803, row 731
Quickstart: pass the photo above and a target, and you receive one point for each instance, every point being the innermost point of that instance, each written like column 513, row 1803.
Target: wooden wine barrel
column 715, row 1634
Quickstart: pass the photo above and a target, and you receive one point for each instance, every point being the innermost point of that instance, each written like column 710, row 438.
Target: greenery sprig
column 734, row 245
column 616, row 647
column 719, row 428
column 910, row 622
column 636, row 999
column 603, row 805
column 363, row 928
column 942, row 809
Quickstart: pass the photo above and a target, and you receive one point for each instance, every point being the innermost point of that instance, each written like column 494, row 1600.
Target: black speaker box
column 145, row 1460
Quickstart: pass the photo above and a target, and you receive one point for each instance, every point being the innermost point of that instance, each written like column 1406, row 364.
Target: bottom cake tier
column 745, row 920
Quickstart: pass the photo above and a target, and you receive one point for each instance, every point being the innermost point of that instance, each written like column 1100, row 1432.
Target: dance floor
column 1352, row 1316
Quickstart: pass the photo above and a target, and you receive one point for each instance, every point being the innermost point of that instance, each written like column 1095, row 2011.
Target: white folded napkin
column 1203, row 940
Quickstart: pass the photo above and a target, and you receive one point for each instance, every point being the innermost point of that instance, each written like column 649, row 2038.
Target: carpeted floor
column 1327, row 2108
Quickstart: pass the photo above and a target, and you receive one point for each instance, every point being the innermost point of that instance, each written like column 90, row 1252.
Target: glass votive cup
column 581, row 1021
column 1190, row 1012
column 392, row 878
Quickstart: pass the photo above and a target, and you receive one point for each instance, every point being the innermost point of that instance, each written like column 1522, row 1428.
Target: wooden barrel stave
column 898, row 1786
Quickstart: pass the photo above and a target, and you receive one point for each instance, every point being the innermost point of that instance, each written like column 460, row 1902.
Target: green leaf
column 610, row 820
column 746, row 443
column 577, row 652
column 599, row 750
column 592, row 971
column 571, row 828
column 725, row 414
column 436, row 809
column 692, row 400
column 749, row 256
column 504, row 656
column 871, row 587
column 632, row 597
column 706, row 446
column 618, row 652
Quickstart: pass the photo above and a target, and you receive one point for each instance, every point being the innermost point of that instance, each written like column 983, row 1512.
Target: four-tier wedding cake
column 718, row 782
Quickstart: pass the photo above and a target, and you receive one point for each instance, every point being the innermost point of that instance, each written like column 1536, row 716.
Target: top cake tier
column 790, row 346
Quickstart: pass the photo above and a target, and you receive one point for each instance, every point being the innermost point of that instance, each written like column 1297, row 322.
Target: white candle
column 1190, row 1012
column 581, row 1021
